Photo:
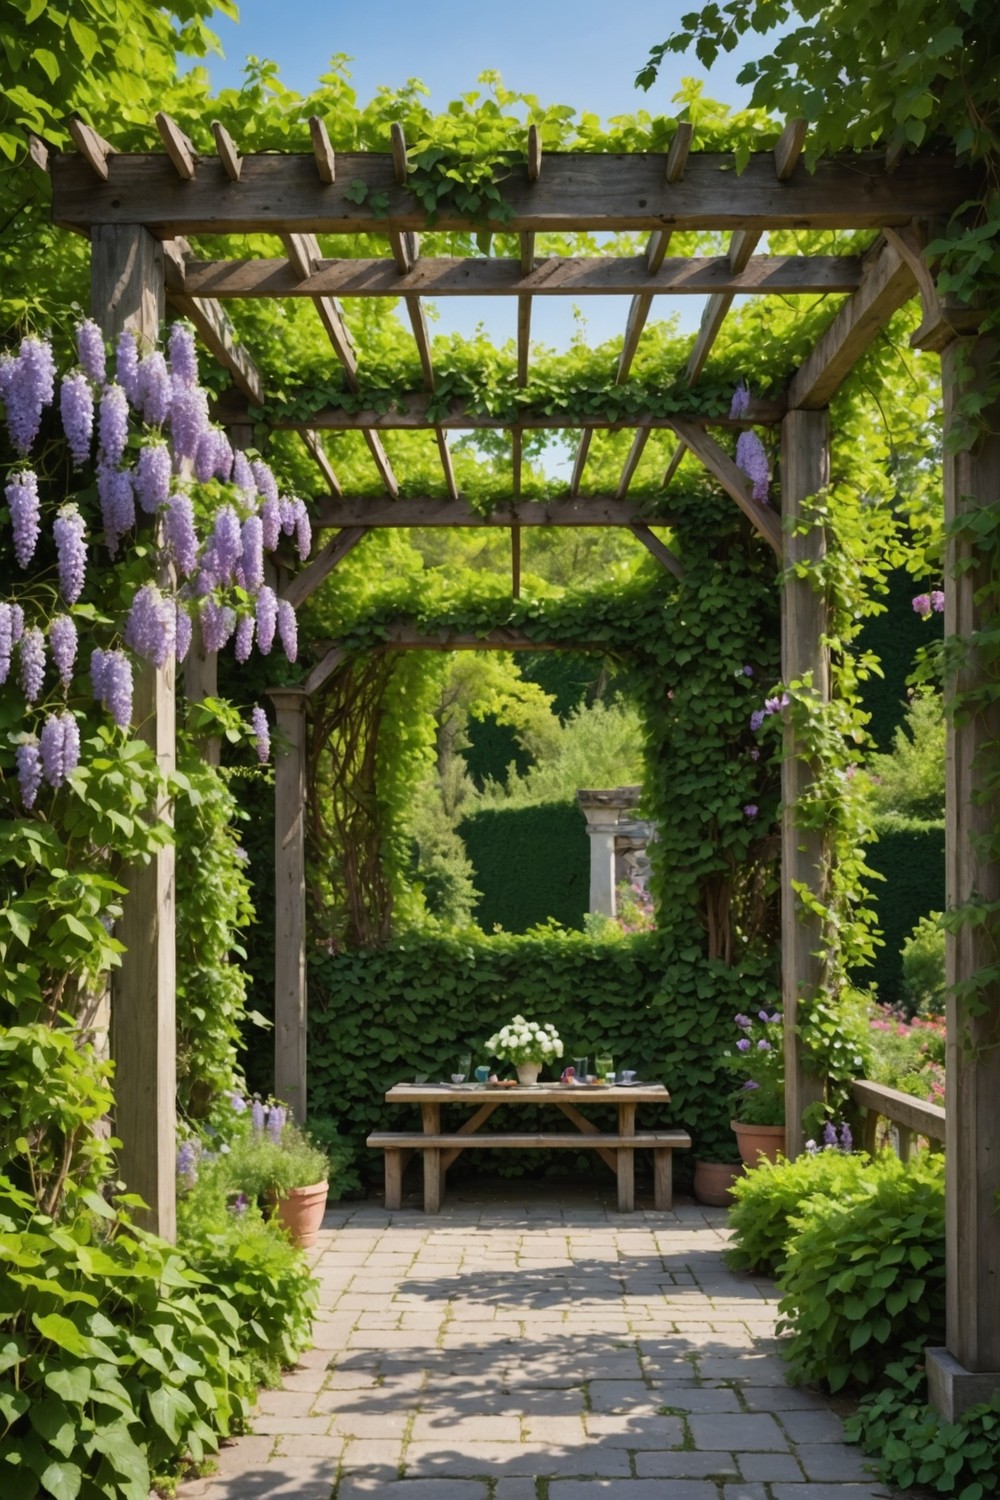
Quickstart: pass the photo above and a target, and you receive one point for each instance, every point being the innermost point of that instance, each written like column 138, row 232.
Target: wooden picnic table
column 440, row 1148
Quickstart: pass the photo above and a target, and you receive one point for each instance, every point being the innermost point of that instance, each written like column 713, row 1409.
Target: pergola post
column 968, row 1370
column 128, row 292
column 290, row 1011
column 805, row 469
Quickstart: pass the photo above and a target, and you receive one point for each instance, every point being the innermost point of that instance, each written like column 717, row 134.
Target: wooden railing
column 911, row 1117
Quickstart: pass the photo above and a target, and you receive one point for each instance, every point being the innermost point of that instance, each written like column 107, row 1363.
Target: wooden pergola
column 143, row 212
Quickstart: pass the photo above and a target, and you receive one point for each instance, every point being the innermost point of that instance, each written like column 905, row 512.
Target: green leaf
column 62, row 1480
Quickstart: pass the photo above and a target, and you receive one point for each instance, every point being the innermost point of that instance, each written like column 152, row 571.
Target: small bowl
column 458, row 1077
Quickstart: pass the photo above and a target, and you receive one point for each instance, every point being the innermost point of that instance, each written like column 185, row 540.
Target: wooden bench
column 440, row 1149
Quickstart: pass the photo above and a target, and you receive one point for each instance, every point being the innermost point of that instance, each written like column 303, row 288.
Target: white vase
column 527, row 1073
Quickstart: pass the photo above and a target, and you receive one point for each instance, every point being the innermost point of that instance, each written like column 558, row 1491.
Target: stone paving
column 538, row 1345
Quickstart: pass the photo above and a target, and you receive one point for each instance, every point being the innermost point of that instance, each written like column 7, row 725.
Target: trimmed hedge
column 910, row 855
column 530, row 863
column 413, row 1007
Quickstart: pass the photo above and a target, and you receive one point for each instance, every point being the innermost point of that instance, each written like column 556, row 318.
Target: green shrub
column 923, row 967
column 914, row 1444
column 774, row 1194
column 863, row 1277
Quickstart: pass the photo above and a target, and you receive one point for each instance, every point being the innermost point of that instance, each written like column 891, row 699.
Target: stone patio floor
column 532, row 1343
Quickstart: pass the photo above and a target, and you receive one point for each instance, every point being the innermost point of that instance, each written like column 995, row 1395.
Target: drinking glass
column 482, row 1073
column 604, row 1063
column 580, row 1065
column 461, row 1072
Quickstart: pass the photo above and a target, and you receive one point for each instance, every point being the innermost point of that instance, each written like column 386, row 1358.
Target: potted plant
column 273, row 1159
column 527, row 1045
column 716, row 1168
column 759, row 1102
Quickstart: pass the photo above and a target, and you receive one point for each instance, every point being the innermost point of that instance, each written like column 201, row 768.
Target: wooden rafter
column 632, row 462
column 658, row 549
column 554, row 276
column 575, row 192
column 717, row 461
column 227, row 152
column 298, row 589
column 178, row 147
column 599, row 510
column 326, row 162
column 93, row 148
column 409, row 413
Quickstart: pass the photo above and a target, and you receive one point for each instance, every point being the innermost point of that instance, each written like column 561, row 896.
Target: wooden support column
column 127, row 290
column 968, row 1371
column 805, row 468
column 290, row 899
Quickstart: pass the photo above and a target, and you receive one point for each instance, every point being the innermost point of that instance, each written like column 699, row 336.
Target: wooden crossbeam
column 299, row 588
column 632, row 462
column 404, row 636
column 554, row 276
column 600, row 510
column 410, row 413
column 717, row 461
column 658, row 549
column 313, row 444
column 226, row 148
column 178, row 147
column 575, row 192
column 326, row 162
column 579, row 462
column 534, row 153
column 942, row 320
column 741, row 248
column 887, row 283
column 94, row 149
column 789, row 149
column 678, row 153
column 674, row 464
column 212, row 323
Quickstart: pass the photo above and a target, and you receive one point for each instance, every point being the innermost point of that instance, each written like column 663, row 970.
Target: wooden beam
column 127, row 293
column 659, row 549
column 741, row 248
column 602, row 510
column 227, row 152
column 400, row 166
column 732, row 479
column 94, row 149
column 418, row 323
column 674, row 464
column 404, row 636
column 326, row 162
column 410, row 413
column 579, row 462
column 554, row 276
column 632, row 462
column 303, row 253
column 290, row 997
column 678, row 154
column 304, row 583
column 943, row 319
column 324, row 669
column 577, row 192
column 38, row 152
column 516, row 442
column 805, row 658
column 534, row 153
column 446, row 463
column 177, row 146
column 789, row 149
column 887, row 283
column 313, row 444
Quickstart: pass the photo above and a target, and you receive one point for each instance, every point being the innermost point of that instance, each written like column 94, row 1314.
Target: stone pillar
column 290, row 1001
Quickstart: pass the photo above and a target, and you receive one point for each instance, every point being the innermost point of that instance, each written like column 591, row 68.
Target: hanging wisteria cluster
column 208, row 559
column 751, row 456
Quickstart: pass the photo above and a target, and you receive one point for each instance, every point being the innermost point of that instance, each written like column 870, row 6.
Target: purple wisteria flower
column 740, row 401
column 266, row 485
column 922, row 605
column 754, row 753
column 267, row 618
column 751, row 810
column 112, row 424
column 252, row 538
column 127, row 365
column 29, row 771
column 276, row 1117
column 288, row 629
column 151, row 625
column 16, row 623
column 183, row 631
column 111, row 676
column 262, row 734
column 217, row 624
column 31, row 663
column 743, row 1045
column 223, row 456
column 59, row 748
column 187, row 1162
column 270, row 517
column 829, row 1134
column 748, row 671
column 25, row 514
column 751, row 457
column 243, row 477
column 756, row 719
column 205, row 456
column 63, row 645
column 303, row 531
column 257, row 1116
column 154, row 389
column 744, row 1022
column 76, row 407
column 239, row 1104
column 183, row 355
column 243, row 644
column 287, row 511
column 90, row 348
column 179, row 533
column 6, row 641
column 152, row 477
column 937, row 605
column 69, row 530
column 846, row 1138
column 226, row 544
column 188, row 419
column 776, row 704
column 29, row 386
column 763, row 1045
column 114, row 487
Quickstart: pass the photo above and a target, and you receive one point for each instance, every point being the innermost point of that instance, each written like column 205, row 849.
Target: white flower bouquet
column 522, row 1041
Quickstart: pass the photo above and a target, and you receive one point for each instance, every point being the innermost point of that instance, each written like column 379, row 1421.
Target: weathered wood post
column 968, row 1370
column 805, row 469
column 127, row 292
column 290, row 1011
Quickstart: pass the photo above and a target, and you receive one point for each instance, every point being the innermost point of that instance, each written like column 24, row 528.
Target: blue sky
column 584, row 54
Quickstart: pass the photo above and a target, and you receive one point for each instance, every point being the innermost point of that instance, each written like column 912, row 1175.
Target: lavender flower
column 846, row 1138
column 76, row 407
column 30, row 388
column 763, row 1045
column 922, row 605
column 751, row 810
column 756, row 719
column 752, row 459
column 937, row 605
column 288, row 630
column 238, row 1103
column 152, row 477
column 187, row 1162
column 276, row 1117
column 217, row 624
column 243, row 477
column 151, row 626
column 239, row 1205
column 69, row 531
column 154, row 389
column 114, row 487
column 267, row 618
column 182, row 633
column 32, row 663
column 270, row 516
column 257, row 1116
column 111, row 675
column 188, row 419
column 113, row 423
column 63, row 645
column 744, row 1021
column 29, row 771
column 829, row 1134
column 266, row 486
column 740, row 401
column 743, row 1045
column 90, row 348
column 183, row 356
column 252, row 538
column 179, row 533
column 262, row 734
column 25, row 512
column 127, row 365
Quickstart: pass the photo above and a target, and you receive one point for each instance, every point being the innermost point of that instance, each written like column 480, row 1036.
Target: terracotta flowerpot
column 528, row 1072
column 713, row 1182
column 301, row 1211
column 759, row 1140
